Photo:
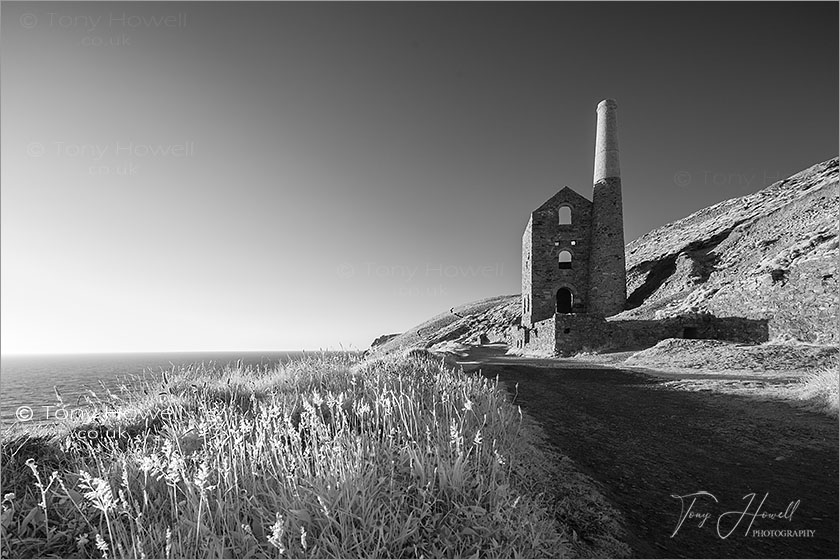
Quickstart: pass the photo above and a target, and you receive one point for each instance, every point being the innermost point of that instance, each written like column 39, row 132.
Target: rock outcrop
column 382, row 339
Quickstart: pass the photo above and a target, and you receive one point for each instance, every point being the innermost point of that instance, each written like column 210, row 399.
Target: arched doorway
column 564, row 300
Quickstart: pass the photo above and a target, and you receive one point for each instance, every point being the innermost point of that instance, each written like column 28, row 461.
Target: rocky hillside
column 772, row 254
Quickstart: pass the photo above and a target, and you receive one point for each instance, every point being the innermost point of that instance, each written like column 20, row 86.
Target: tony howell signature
column 727, row 522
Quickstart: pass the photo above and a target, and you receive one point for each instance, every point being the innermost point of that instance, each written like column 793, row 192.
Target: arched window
column 565, row 215
column 565, row 300
column 565, row 260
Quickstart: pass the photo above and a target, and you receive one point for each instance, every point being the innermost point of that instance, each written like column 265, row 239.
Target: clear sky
column 258, row 176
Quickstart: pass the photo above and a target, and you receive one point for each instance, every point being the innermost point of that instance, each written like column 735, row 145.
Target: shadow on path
column 646, row 444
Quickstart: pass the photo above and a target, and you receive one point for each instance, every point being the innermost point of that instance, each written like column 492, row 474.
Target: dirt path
column 646, row 444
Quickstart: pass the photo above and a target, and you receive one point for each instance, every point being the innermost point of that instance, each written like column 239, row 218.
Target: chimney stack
column 606, row 141
column 607, row 277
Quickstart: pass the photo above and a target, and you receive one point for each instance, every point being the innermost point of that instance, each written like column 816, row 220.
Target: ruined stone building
column 573, row 270
column 573, row 250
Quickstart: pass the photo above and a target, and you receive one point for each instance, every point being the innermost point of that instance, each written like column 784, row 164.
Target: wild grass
column 323, row 457
column 821, row 389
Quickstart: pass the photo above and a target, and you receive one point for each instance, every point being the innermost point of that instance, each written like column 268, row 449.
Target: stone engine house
column 573, row 268
column 573, row 271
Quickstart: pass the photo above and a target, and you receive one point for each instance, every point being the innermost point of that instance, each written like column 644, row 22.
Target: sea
column 28, row 383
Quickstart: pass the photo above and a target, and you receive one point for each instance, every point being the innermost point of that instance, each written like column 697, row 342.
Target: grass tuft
column 821, row 389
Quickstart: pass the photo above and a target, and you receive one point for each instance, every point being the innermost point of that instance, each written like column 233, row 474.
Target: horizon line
column 28, row 354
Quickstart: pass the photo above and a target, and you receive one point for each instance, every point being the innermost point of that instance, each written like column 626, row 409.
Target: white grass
column 822, row 388
column 316, row 458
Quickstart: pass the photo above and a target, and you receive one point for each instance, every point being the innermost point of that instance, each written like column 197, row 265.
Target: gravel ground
column 645, row 443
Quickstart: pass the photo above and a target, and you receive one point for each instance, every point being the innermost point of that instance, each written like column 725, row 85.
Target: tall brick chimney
column 607, row 276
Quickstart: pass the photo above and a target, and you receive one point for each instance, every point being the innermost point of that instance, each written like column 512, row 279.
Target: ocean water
column 26, row 382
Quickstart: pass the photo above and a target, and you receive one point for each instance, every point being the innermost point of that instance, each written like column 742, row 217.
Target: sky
column 282, row 176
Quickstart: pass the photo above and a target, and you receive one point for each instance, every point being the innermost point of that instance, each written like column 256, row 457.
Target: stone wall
column 574, row 333
column 542, row 336
column 568, row 334
column 527, row 302
column 538, row 339
column 639, row 334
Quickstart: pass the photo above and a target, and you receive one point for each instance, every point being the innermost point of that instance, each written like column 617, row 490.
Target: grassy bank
column 396, row 457
column 821, row 389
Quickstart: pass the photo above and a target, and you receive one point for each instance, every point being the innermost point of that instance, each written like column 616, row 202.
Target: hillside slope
column 772, row 254
column 491, row 317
